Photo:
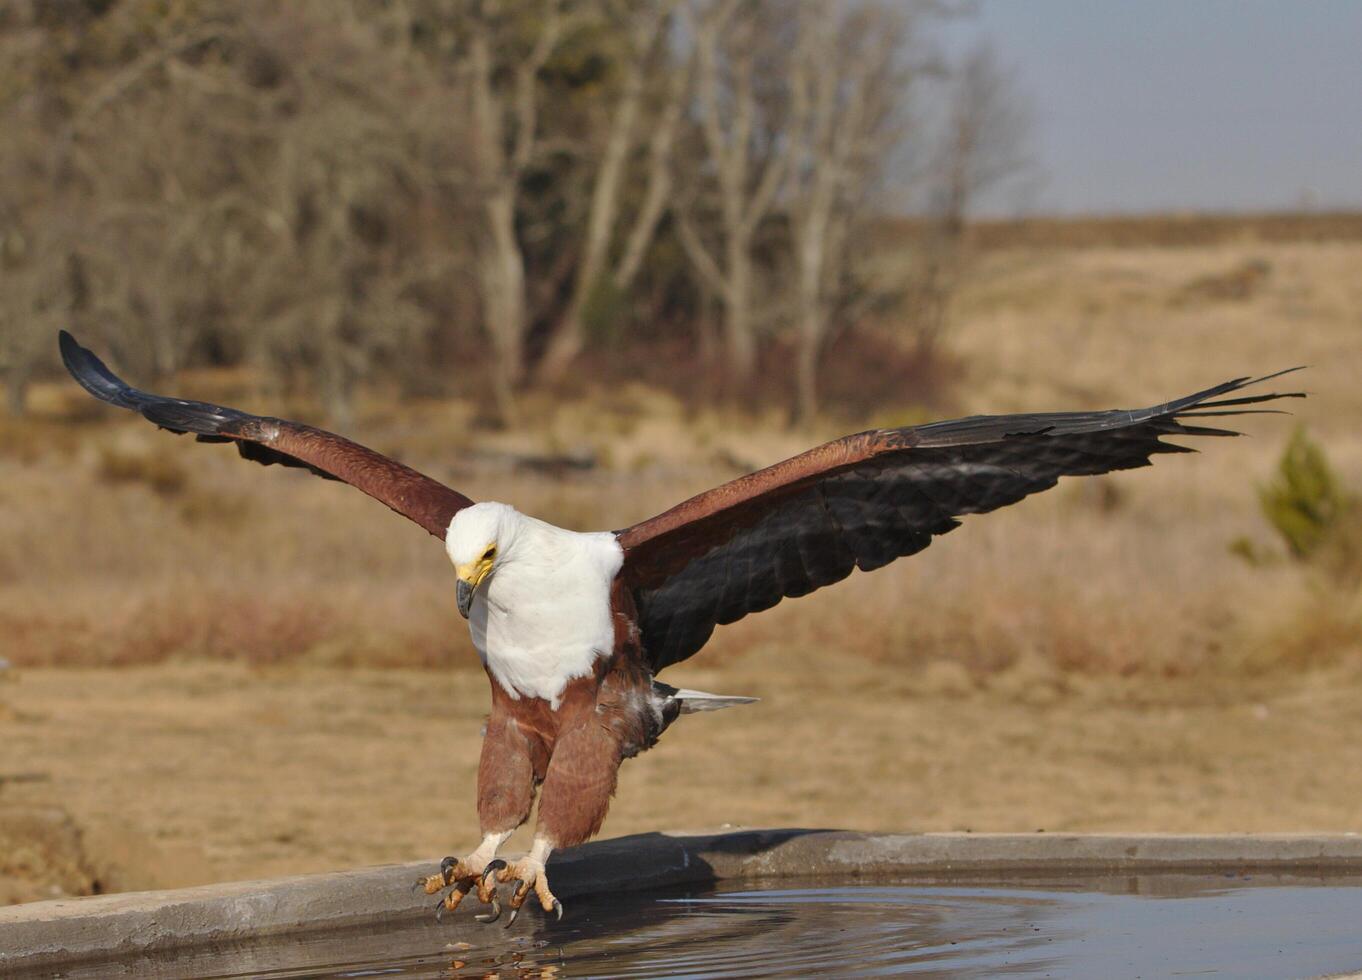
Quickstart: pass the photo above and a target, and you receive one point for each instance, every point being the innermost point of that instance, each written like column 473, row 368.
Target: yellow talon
column 433, row 883
column 461, row 878
column 528, row 876
column 452, row 900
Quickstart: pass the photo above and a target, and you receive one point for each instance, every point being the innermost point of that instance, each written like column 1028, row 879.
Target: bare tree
column 323, row 186
column 648, row 64
column 343, row 177
column 503, row 103
column 41, row 294
column 41, row 278
column 248, row 178
column 846, row 83
column 983, row 143
column 738, row 78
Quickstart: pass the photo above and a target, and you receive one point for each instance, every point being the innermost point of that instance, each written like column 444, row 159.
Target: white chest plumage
column 542, row 617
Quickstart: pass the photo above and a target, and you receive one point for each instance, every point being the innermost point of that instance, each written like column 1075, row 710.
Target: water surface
column 1145, row 926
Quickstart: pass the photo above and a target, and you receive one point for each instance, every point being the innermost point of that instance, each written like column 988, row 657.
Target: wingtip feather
column 94, row 375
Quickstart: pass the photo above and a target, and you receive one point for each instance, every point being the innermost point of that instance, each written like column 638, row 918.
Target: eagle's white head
column 478, row 541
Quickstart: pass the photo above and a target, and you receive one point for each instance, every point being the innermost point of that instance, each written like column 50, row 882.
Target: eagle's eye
column 491, row 550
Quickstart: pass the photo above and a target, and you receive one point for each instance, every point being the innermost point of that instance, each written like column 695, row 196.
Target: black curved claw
column 494, row 915
column 558, row 908
column 493, row 866
column 439, row 910
column 518, row 890
column 447, row 864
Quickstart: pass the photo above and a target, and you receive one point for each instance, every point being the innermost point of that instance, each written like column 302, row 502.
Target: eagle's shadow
column 652, row 860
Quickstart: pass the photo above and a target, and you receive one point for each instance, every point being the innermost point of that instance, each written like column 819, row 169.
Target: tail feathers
column 693, row 701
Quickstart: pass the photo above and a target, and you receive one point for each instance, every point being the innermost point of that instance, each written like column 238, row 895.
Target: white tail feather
column 692, row 701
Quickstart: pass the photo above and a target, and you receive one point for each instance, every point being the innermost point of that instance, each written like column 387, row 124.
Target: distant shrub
column 162, row 474
column 211, row 507
column 1305, row 501
column 33, row 438
column 1313, row 514
column 1238, row 284
column 1311, row 628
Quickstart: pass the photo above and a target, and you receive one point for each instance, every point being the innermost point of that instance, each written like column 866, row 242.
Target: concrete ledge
column 43, row 934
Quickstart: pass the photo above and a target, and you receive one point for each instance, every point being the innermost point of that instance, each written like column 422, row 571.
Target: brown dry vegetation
column 1094, row 658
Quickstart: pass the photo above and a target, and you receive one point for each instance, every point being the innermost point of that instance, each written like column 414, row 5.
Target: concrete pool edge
column 63, row 931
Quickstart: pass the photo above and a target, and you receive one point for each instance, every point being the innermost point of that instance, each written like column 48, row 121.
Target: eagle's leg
column 508, row 771
column 572, row 806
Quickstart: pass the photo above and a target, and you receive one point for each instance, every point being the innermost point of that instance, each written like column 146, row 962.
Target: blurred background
column 592, row 256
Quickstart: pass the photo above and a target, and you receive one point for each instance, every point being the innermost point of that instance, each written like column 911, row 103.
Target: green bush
column 1305, row 502
column 1317, row 519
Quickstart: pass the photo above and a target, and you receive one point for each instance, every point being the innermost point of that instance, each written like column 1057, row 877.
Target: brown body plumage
column 602, row 719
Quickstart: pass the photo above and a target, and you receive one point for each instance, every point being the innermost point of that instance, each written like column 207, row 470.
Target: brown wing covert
column 268, row 441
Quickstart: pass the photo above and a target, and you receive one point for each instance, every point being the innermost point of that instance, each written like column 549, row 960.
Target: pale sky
column 1183, row 104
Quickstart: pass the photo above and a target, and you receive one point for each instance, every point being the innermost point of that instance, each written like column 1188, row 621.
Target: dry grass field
column 222, row 671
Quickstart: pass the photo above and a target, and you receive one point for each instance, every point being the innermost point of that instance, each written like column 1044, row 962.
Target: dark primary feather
column 866, row 499
column 269, row 440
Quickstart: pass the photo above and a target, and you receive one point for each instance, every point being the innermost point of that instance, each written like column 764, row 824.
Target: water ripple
column 1108, row 927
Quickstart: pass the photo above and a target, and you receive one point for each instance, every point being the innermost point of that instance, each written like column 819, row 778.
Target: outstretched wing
column 866, row 499
column 268, row 440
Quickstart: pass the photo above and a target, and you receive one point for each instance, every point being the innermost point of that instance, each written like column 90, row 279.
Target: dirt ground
column 183, row 774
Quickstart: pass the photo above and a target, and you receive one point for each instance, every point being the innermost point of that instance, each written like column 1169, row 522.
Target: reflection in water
column 1111, row 928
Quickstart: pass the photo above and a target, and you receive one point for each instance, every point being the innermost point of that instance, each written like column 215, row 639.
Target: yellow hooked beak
column 471, row 576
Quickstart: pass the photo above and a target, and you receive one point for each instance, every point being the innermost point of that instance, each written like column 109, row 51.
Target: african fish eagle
column 573, row 628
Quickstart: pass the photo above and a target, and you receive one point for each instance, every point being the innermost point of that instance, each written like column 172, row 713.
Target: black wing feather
column 862, row 501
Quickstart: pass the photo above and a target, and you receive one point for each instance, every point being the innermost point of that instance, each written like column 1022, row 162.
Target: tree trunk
column 740, row 348
column 571, row 334
column 656, row 198
column 813, row 322
column 338, row 394
column 16, row 389
column 806, row 366
column 935, row 287
column 811, row 253
column 502, row 270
